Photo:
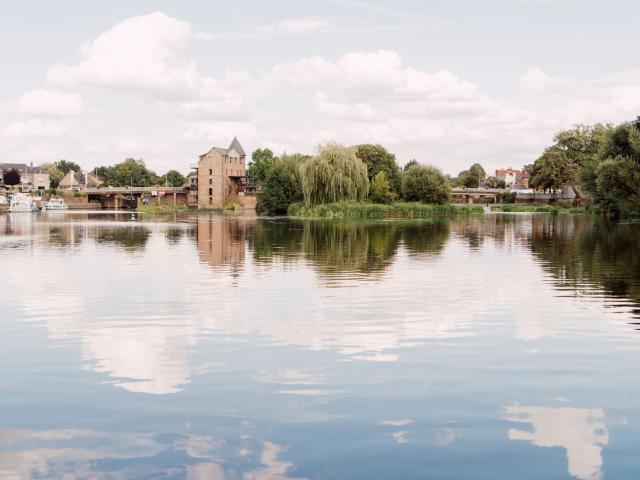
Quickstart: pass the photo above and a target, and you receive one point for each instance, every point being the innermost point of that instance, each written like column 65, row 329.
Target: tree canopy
column 262, row 160
column 380, row 190
column 425, row 184
column 410, row 163
column 333, row 175
column 65, row 166
column 494, row 182
column 130, row 172
column 378, row 159
column 471, row 178
column 55, row 174
column 553, row 170
column 603, row 159
column 282, row 186
column 173, row 178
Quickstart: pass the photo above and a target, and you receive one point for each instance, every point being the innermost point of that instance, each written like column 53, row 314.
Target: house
column 30, row 177
column 509, row 175
column 221, row 173
column 79, row 180
column 36, row 179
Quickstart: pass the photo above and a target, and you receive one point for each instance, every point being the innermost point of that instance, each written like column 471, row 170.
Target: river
column 212, row 347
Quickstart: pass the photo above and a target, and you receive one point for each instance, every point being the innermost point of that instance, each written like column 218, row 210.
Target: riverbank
column 376, row 210
column 553, row 209
column 162, row 208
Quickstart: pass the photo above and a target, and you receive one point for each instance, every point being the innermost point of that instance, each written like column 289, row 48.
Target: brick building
column 221, row 173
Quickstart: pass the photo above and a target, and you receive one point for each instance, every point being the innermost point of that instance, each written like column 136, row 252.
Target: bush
column 377, row 210
column 380, row 190
column 281, row 187
column 425, row 184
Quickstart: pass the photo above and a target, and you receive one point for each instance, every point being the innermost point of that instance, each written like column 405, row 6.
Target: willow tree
column 333, row 175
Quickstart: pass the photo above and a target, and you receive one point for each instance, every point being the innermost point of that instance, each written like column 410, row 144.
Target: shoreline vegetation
column 379, row 210
column 553, row 209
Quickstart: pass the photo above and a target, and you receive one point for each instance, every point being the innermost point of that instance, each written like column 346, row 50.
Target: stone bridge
column 129, row 197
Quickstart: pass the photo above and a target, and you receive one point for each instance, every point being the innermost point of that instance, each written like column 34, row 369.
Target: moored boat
column 56, row 204
column 21, row 203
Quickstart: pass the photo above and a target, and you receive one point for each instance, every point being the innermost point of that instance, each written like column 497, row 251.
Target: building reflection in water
column 582, row 432
column 222, row 241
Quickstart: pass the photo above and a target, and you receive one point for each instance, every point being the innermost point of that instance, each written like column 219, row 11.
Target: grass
column 553, row 209
column 161, row 208
column 377, row 210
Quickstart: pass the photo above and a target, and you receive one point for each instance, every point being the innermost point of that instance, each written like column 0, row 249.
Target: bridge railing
column 132, row 190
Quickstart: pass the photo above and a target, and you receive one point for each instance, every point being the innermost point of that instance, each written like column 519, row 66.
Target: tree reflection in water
column 129, row 238
column 581, row 253
column 345, row 246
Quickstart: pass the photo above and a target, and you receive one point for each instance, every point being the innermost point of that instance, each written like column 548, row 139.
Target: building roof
column 14, row 166
column 235, row 145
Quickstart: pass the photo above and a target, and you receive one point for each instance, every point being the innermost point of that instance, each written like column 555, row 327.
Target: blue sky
column 447, row 83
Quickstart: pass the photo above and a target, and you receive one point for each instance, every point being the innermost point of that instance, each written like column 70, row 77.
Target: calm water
column 207, row 348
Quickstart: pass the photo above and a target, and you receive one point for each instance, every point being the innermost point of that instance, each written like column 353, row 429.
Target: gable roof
column 235, row 145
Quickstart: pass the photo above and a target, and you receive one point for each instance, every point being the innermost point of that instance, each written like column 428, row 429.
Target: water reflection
column 582, row 432
column 74, row 453
column 338, row 247
column 129, row 238
column 581, row 253
column 439, row 325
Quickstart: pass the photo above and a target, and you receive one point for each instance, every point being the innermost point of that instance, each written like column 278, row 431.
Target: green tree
column 55, row 174
column 409, row 164
column 494, row 182
column 380, row 190
column 130, row 172
column 553, row 170
column 425, row 184
column 65, row 166
column 173, row 178
column 617, row 174
column 261, row 162
column 333, row 175
column 472, row 178
column 281, row 188
column 378, row 159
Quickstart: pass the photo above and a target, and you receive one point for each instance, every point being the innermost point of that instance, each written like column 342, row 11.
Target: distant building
column 30, row 177
column 79, row 180
column 512, row 177
column 509, row 175
column 221, row 173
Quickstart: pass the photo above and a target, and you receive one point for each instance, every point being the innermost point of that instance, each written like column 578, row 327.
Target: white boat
column 21, row 203
column 56, row 204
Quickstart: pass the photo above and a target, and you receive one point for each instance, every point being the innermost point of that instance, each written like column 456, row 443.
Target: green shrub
column 425, row 184
column 377, row 210
column 380, row 190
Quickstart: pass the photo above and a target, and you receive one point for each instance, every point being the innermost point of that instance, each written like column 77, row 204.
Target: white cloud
column 536, row 80
column 360, row 96
column 34, row 128
column 144, row 52
column 47, row 103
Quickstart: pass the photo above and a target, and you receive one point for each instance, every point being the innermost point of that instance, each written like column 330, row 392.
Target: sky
column 446, row 83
